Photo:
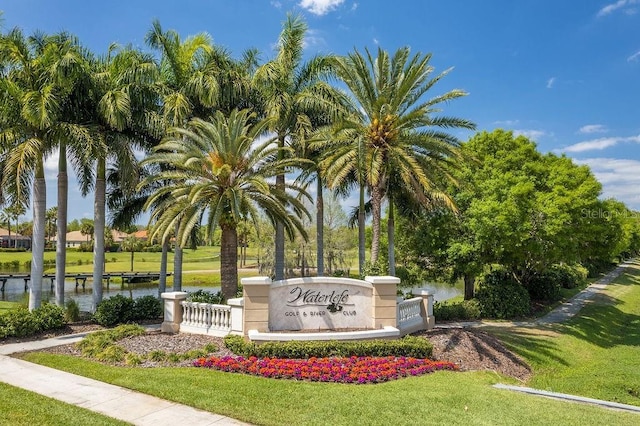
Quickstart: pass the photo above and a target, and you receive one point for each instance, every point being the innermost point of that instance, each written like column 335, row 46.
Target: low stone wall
column 313, row 308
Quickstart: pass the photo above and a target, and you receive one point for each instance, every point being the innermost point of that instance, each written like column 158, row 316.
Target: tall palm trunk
column 177, row 265
column 229, row 261
column 376, row 202
column 37, row 247
column 361, row 233
column 391, row 237
column 320, row 228
column 279, row 241
column 61, row 243
column 162, row 284
column 98, row 230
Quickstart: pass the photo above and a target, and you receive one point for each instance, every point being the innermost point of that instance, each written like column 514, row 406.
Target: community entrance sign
column 322, row 303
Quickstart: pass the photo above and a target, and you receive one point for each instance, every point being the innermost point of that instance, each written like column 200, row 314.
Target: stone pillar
column 172, row 311
column 256, row 304
column 236, row 315
column 384, row 304
column 426, row 310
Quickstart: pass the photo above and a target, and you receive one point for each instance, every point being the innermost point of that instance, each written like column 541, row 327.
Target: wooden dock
column 81, row 279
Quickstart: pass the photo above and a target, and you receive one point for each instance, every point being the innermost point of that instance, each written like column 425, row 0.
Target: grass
column 440, row 398
column 21, row 407
column 595, row 354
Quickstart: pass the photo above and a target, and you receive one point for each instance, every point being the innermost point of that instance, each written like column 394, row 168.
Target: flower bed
column 359, row 370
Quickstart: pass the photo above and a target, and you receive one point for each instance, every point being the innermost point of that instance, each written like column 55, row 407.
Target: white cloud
column 375, row 41
column 313, row 38
column 593, row 128
column 320, row 7
column 276, row 4
column 599, row 144
column 355, row 6
column 551, row 82
column 506, row 123
column 635, row 57
column 530, row 134
column 619, row 178
column 620, row 4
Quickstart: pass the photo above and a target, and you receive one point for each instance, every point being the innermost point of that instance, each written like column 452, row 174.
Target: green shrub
column 545, row 287
column 71, row 311
column 570, row 276
column 49, row 316
column 466, row 310
column 202, row 296
column 114, row 310
column 500, row 296
column 410, row 346
column 156, row 248
column 19, row 323
column 95, row 345
column 147, row 308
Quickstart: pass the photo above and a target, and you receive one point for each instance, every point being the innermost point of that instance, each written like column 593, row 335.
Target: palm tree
column 34, row 93
column 124, row 117
column 219, row 174
column 294, row 94
column 188, row 85
column 400, row 134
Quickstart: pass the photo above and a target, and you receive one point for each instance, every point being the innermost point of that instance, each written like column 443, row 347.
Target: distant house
column 142, row 235
column 9, row 241
column 75, row 238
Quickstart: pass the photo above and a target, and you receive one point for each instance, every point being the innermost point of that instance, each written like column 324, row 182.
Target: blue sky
column 564, row 73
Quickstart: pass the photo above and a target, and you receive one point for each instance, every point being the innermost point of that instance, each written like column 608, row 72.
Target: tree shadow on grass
column 602, row 323
column 536, row 345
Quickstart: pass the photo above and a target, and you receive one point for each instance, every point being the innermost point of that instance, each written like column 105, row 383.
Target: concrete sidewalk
column 113, row 401
column 560, row 314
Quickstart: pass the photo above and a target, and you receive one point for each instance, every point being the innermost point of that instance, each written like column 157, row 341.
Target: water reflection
column 14, row 291
column 441, row 292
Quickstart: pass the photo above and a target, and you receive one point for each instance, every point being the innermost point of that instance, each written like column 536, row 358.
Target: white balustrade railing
column 205, row 318
column 409, row 315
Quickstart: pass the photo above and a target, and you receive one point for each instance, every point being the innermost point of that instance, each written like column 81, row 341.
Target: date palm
column 188, row 87
column 294, row 94
column 402, row 134
column 220, row 171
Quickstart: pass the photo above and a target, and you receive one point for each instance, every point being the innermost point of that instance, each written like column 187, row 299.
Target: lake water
column 441, row 292
column 14, row 291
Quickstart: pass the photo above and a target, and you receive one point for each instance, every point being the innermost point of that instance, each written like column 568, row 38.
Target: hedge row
column 21, row 322
column 409, row 346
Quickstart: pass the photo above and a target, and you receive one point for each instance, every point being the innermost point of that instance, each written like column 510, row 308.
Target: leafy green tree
column 217, row 173
column 516, row 208
column 403, row 142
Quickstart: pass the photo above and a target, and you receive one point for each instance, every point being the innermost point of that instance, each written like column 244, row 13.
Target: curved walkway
column 113, row 401
column 560, row 314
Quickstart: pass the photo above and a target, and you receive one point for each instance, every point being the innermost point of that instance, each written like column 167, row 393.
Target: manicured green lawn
column 439, row 398
column 6, row 306
column 20, row 407
column 596, row 354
